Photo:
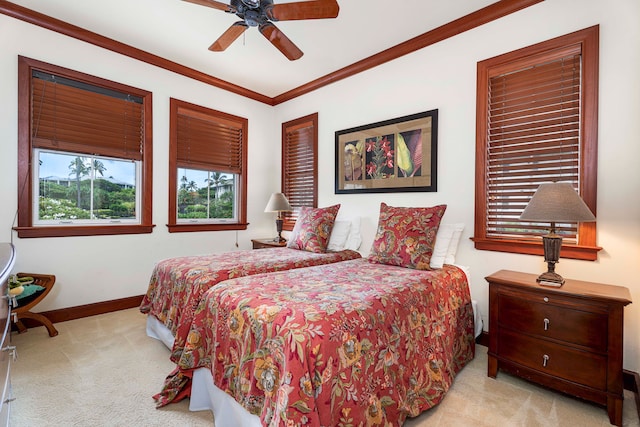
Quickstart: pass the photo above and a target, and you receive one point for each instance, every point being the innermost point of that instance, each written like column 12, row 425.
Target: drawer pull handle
column 545, row 359
column 546, row 324
column 545, row 299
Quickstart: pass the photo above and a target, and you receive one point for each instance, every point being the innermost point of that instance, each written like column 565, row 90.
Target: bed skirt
column 156, row 329
column 226, row 411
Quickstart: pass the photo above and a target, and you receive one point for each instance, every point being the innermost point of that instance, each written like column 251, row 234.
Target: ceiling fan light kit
column 262, row 13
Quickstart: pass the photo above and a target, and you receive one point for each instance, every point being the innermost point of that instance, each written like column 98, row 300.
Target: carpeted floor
column 103, row 370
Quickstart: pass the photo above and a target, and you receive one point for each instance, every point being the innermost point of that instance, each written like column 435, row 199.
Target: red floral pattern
column 313, row 228
column 380, row 154
column 344, row 344
column 177, row 284
column 406, row 236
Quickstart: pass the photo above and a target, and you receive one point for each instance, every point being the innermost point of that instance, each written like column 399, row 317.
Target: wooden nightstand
column 267, row 243
column 568, row 338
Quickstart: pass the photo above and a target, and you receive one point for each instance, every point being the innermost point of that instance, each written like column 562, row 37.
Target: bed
column 348, row 342
column 359, row 342
column 177, row 284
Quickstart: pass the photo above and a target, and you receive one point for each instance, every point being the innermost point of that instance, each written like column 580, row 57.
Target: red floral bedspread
column 177, row 284
column 347, row 344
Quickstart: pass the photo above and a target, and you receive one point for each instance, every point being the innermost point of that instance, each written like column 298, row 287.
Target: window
column 84, row 154
column 300, row 165
column 94, row 189
column 537, row 123
column 207, row 169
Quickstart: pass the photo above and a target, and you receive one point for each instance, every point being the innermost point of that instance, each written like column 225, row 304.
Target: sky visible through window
column 199, row 177
column 57, row 165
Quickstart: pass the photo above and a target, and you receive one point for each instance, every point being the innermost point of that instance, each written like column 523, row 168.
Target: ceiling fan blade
column 214, row 4
column 229, row 36
column 280, row 41
column 319, row 9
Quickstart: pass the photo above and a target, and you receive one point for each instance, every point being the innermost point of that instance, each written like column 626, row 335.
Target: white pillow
column 447, row 239
column 345, row 235
column 355, row 238
column 339, row 235
column 450, row 258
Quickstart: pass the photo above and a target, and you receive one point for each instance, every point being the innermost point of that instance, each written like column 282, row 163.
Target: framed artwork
column 397, row 155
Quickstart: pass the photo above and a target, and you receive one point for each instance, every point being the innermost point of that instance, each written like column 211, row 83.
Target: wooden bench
column 22, row 311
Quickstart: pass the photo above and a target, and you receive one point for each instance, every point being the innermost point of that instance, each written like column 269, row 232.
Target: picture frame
column 396, row 155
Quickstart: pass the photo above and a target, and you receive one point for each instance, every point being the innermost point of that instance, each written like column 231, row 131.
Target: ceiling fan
column 261, row 13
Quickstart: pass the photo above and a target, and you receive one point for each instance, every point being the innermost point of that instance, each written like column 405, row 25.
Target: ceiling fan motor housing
column 251, row 3
column 254, row 12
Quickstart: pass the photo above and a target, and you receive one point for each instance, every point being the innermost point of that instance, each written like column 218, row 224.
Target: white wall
column 103, row 268
column 443, row 76
column 93, row 269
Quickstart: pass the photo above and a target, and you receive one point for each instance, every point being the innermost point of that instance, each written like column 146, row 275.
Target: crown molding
column 473, row 20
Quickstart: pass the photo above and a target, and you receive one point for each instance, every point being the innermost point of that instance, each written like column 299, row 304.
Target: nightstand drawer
column 559, row 361
column 583, row 328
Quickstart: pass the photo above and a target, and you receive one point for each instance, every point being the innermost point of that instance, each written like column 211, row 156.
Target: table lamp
column 278, row 203
column 555, row 202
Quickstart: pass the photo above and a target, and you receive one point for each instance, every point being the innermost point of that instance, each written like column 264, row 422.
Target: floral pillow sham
column 313, row 229
column 406, row 236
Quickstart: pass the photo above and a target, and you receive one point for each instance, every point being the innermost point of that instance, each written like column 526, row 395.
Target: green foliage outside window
column 84, row 194
column 60, row 202
column 214, row 200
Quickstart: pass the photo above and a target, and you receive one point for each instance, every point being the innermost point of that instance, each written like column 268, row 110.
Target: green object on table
column 29, row 290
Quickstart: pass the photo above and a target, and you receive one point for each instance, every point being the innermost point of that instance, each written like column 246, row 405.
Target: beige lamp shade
column 557, row 202
column 278, row 203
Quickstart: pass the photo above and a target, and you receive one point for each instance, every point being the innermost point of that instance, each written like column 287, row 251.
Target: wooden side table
column 267, row 243
column 22, row 310
column 567, row 338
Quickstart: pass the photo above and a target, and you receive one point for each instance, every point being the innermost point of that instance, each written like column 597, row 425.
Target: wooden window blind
column 209, row 142
column 533, row 138
column 72, row 112
column 300, row 165
column 73, row 116
column 537, row 122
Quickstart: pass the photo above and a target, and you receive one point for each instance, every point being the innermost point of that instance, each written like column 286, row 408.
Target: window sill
column 587, row 253
column 185, row 228
column 69, row 231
